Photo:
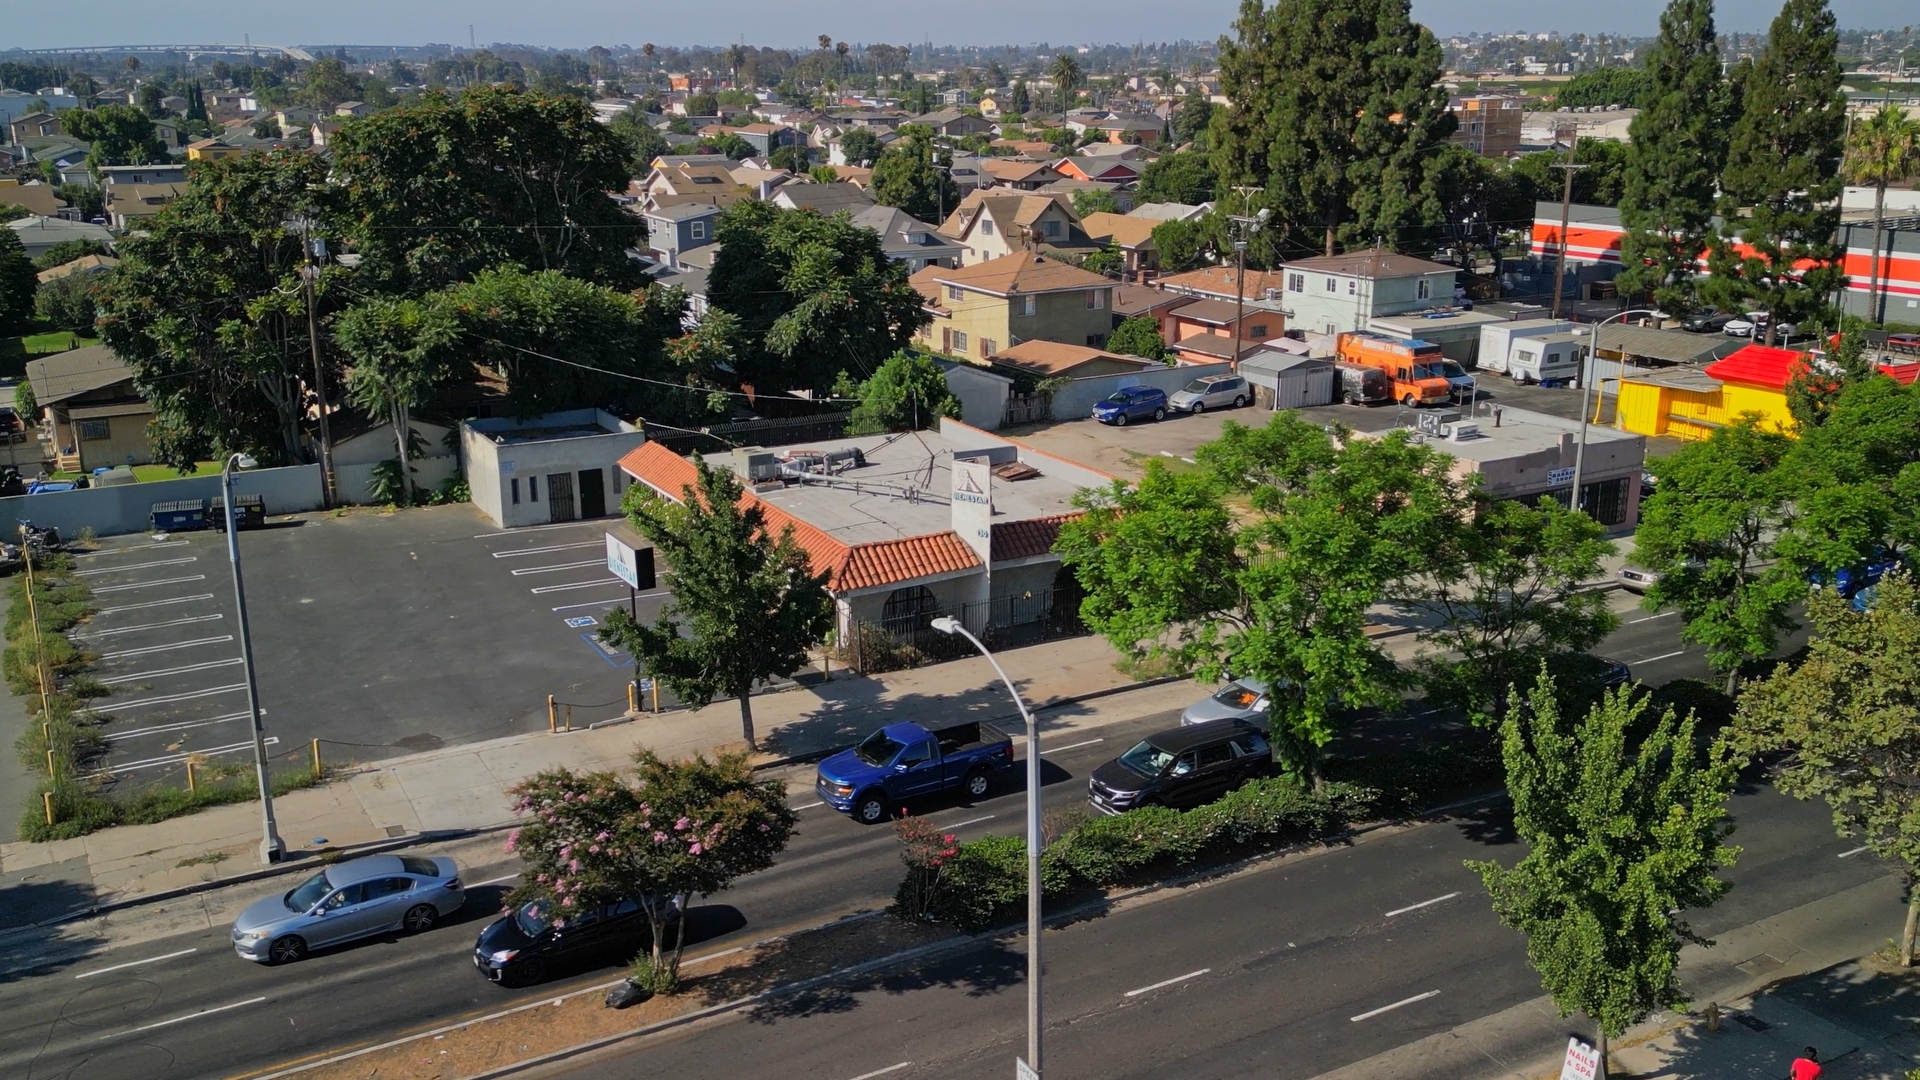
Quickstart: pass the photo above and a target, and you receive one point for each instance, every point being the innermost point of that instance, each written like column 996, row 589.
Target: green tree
column 1780, row 192
column 746, row 606
column 644, row 141
column 150, row 95
column 1673, row 163
column 119, row 135
column 67, row 303
column 1094, row 201
column 1843, row 725
column 1191, row 118
column 1337, row 105
column 814, row 296
column 1138, row 336
column 66, row 251
column 1632, row 88
column 1020, row 100
column 703, row 104
column 1854, row 475
column 196, row 102
column 19, row 281
column 1882, row 151
column 1180, row 244
column 726, row 143
column 399, row 357
column 1625, row 820
column 672, row 829
column 26, row 404
column 1708, row 531
column 794, row 159
column 905, row 178
column 908, row 393
column 860, row 146
column 1067, row 78
column 435, row 191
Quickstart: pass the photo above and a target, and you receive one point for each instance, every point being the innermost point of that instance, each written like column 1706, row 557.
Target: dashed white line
column 189, row 1016
column 1663, row 656
column 809, row 806
column 134, row 963
column 1069, row 746
column 576, row 585
column 148, row 584
column 545, row 550
column 493, row 881
column 883, row 1072
column 1389, row 1008
column 1421, row 904
column 123, row 653
column 1168, row 982
column 150, row 626
column 969, row 821
column 137, row 566
column 118, row 680
column 168, row 699
column 1851, row 854
column 1650, row 618
column 525, row 570
column 153, row 603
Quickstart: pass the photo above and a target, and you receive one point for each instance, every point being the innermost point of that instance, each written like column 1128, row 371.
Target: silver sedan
column 353, row 899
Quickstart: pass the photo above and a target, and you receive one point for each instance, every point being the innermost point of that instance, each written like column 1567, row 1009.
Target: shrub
column 925, row 850
column 982, row 880
column 1409, row 781
column 1709, row 704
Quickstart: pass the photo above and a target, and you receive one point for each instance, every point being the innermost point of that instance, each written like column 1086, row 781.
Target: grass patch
column 205, row 858
column 147, row 474
column 55, row 341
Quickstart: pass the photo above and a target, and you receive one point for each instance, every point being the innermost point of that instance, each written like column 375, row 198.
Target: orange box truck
column 1414, row 366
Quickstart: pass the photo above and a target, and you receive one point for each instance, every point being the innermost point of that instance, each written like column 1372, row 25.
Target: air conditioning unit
column 1463, row 432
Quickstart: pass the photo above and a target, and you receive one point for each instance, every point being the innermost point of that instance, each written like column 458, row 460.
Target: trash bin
column 249, row 512
column 179, row 515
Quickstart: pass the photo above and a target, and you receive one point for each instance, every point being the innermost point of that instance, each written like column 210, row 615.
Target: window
column 1258, row 330
column 516, row 490
column 697, row 230
column 1215, row 755
column 909, row 609
column 1250, row 745
column 1525, row 356
column 953, row 292
column 1029, row 305
column 1296, row 283
column 987, row 347
column 419, row 867
column 1052, row 229
column 1096, row 341
column 1425, row 289
column 1353, row 287
column 960, row 341
column 380, row 887
column 1096, row 299
column 1184, row 765
column 533, row 489
column 986, row 226
column 96, row 429
column 345, row 897
column 918, row 754
column 1333, row 284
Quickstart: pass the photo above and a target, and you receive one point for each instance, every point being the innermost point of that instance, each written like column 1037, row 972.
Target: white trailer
column 1503, row 346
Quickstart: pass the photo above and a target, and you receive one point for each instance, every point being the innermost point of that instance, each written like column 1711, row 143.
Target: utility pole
column 307, row 273
column 1245, row 225
column 1566, row 213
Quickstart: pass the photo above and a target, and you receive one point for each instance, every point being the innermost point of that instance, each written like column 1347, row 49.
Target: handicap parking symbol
column 582, row 620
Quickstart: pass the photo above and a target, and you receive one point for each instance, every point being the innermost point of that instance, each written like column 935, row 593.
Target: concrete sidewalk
column 462, row 788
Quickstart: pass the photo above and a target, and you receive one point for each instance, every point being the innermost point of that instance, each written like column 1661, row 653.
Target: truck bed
column 972, row 735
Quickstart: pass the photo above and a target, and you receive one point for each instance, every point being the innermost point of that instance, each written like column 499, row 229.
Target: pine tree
column 1781, row 186
column 1678, row 148
column 1337, row 105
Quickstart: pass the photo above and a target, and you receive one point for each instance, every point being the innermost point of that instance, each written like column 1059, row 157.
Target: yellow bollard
column 553, row 719
column 569, row 717
column 316, row 759
column 50, row 771
column 632, row 705
column 190, row 783
column 656, row 695
column 46, row 799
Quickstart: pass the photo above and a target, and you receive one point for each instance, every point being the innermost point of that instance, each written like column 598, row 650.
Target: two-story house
column 128, row 206
column 823, row 199
column 1018, row 174
column 989, row 224
column 34, row 125
column 674, row 230
column 1333, row 294
column 91, row 410
column 907, row 239
column 111, row 175
column 672, row 183
column 1131, row 235
column 766, row 138
column 954, row 123
column 979, row 310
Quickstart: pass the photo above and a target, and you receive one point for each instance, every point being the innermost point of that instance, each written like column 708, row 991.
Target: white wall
column 983, row 395
column 493, row 468
column 127, row 509
column 1075, row 401
column 354, row 483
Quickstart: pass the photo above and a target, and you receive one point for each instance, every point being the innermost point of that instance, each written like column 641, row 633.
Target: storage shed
column 1283, row 380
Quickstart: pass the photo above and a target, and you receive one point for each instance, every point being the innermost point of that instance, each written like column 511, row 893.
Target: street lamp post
column 1588, row 378
column 271, row 848
column 947, row 624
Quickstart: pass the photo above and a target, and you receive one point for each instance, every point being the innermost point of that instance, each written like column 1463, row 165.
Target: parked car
column 1850, row 581
column 1131, row 403
column 1740, row 327
column 1241, row 699
column 349, row 900
column 527, row 944
column 1362, row 385
column 1183, row 767
column 1707, row 322
column 1637, row 579
column 907, row 761
column 1462, row 383
column 1211, row 392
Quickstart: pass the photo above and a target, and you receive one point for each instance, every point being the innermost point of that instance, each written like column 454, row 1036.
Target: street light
column 1586, row 397
column 271, row 848
column 947, row 624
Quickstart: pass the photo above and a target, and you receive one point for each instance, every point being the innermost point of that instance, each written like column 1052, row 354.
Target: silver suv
column 1211, row 392
column 354, row 899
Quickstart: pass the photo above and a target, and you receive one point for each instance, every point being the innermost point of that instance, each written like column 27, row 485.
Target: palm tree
column 736, row 55
column 1065, row 71
column 1885, row 150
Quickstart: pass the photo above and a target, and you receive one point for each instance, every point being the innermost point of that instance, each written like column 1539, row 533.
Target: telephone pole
column 1566, row 213
column 308, row 273
column 1245, row 225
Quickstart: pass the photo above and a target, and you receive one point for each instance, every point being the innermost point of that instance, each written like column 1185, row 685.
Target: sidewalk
column 462, row 788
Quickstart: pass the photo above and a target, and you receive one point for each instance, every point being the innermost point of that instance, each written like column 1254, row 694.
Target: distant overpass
column 191, row 50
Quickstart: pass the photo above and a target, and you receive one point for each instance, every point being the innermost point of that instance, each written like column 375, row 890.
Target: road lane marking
column 1070, row 746
column 169, row 699
column 546, row 550
column 135, row 963
column 165, row 648
column 1168, row 982
column 714, row 956
column 525, row 570
column 160, row 729
column 969, row 821
column 137, row 566
column 153, row 603
column 208, row 666
column 883, row 1072
column 1650, row 618
column 1662, row 656
column 534, row 529
column 1421, row 904
column 149, row 584
column 493, row 881
column 810, row 806
column 576, row 585
column 150, row 626
column 189, row 1016
column 1395, row 1005
column 1851, row 854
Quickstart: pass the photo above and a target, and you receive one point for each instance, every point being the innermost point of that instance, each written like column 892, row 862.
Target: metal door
column 560, row 496
column 593, row 493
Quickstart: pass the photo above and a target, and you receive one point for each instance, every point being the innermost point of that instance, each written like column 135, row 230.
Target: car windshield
column 1452, row 370
column 532, row 918
column 1427, row 371
column 1237, row 697
column 1199, row 386
column 1146, row 759
column 877, row 749
column 311, row 891
column 1120, row 397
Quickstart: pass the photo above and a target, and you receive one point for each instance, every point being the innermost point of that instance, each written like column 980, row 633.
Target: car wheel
column 287, row 950
column 530, row 972
column 978, row 784
column 1120, row 420
column 1239, row 401
column 420, row 918
column 1197, row 408
column 1519, row 379
column 871, row 809
column 1159, row 414
column 1410, row 401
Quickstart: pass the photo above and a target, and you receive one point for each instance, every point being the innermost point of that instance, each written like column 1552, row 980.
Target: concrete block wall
column 113, row 511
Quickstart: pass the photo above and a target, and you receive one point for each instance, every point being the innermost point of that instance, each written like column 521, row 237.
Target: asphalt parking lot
column 378, row 633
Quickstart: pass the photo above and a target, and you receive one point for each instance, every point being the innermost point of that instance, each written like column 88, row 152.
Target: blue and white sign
column 1559, row 476
column 621, row 561
column 582, row 620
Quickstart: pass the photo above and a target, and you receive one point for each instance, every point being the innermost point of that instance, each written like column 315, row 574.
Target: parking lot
column 378, row 633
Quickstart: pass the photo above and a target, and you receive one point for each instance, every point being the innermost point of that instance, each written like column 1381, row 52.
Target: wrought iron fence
column 1008, row 622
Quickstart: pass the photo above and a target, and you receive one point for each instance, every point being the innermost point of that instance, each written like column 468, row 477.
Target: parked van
column 1363, row 385
column 1414, row 367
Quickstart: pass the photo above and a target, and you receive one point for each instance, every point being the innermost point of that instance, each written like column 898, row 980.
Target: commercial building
column 1690, row 402
column 559, row 467
column 1488, row 125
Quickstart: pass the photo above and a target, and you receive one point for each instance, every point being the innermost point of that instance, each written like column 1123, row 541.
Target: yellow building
column 211, row 150
column 981, row 309
column 1690, row 403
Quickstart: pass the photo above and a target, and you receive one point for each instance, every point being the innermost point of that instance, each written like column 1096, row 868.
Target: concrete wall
column 126, row 509
column 982, row 394
column 354, row 483
column 495, row 471
column 1075, row 401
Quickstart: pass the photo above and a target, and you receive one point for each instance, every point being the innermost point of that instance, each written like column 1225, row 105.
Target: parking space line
column 969, row 821
column 1662, row 656
column 150, row 626
column 883, row 1072
column 610, row 603
column 130, row 547
column 1069, row 746
column 189, row 1016
column 525, row 570
column 544, row 550
column 1421, row 904
column 136, row 566
column 161, row 729
column 1168, row 982
column 135, row 963
column 1389, row 1008
column 536, row 528
column 118, row 680
column 148, row 584
column 153, row 603
column 168, row 699
column 144, row 650
column 576, row 585
column 175, row 759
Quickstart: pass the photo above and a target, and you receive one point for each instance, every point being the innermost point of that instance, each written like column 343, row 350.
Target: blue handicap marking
column 612, row 656
column 644, row 684
column 582, row 620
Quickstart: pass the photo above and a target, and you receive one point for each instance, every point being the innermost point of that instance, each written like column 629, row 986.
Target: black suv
column 1183, row 767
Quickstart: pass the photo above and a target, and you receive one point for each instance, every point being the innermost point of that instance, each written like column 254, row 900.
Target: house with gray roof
column 824, row 199
column 675, row 229
column 907, row 239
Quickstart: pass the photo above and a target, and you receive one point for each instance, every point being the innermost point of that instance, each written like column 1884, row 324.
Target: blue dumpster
column 179, row 515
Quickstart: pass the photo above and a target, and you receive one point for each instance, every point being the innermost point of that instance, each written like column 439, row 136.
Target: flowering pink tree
column 673, row 830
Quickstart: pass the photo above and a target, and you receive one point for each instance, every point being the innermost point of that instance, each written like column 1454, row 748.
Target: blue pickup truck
column 907, row 761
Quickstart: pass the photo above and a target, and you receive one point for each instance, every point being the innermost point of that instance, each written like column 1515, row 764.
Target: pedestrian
column 1806, row 1068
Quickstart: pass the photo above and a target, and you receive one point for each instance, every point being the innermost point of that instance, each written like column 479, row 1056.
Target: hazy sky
column 578, row 23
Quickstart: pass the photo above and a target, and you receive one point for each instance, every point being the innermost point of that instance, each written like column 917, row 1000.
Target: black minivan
column 1182, row 767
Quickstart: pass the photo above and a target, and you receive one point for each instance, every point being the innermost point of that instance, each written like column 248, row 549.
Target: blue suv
column 1131, row 403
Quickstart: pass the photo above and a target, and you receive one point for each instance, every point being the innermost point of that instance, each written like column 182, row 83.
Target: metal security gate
column 560, row 496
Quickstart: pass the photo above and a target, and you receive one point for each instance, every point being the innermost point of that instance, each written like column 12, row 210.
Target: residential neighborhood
column 1360, row 544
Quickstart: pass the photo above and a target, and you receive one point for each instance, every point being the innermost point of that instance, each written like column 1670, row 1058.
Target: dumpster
column 249, row 512
column 179, row 515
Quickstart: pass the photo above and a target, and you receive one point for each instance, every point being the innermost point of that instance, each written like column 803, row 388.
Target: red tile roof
column 1025, row 539
column 889, row 561
column 1758, row 365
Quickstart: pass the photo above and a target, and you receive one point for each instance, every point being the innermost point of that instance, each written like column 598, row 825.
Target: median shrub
column 1402, row 782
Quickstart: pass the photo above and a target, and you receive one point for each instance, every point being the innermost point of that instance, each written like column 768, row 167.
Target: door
column 387, row 901
column 1217, row 772
column 593, row 493
column 341, row 916
column 560, row 496
column 916, row 771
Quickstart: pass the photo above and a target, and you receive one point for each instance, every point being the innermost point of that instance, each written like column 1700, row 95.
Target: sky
column 49, row 24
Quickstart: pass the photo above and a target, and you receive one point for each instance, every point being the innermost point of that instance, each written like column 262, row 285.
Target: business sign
column 1583, row 1061
column 973, row 505
column 631, row 565
column 1023, row 1071
column 1559, row 476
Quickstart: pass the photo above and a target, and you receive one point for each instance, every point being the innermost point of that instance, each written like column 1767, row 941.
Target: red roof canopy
column 1758, row 365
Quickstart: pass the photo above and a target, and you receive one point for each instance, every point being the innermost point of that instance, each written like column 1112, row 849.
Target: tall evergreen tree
column 1781, row 186
column 1678, row 147
column 1336, row 107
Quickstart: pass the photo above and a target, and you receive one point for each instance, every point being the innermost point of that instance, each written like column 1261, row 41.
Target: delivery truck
column 1414, row 367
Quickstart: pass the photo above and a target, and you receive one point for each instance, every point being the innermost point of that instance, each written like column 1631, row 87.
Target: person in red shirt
column 1807, row 1068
